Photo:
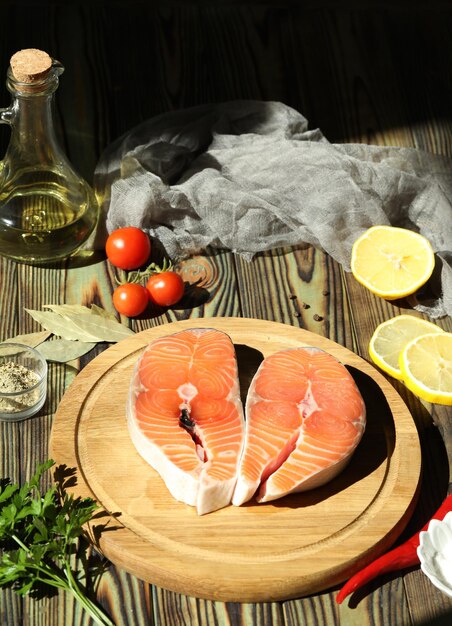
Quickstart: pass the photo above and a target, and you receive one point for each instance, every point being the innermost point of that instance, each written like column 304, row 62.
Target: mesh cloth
column 249, row 176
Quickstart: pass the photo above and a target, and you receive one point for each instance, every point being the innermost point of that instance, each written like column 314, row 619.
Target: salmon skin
column 185, row 416
column 304, row 418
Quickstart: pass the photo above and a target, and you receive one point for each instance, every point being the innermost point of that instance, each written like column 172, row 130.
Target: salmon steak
column 185, row 417
column 304, row 418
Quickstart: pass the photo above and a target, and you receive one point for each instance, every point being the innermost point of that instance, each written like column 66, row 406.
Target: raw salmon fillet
column 185, row 416
column 304, row 418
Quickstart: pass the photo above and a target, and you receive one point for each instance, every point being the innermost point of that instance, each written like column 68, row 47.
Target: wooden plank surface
column 372, row 72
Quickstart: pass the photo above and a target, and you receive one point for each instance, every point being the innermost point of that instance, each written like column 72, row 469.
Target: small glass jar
column 47, row 211
column 23, row 381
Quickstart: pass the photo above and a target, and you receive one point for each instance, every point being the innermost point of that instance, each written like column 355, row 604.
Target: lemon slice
column 391, row 337
column 426, row 366
column 392, row 262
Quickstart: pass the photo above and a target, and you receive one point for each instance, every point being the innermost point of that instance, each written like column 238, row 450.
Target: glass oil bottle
column 47, row 211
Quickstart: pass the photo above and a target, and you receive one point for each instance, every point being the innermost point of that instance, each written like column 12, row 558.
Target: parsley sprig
column 41, row 536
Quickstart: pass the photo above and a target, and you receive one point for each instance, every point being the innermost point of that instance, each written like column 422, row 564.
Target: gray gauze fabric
column 249, row 176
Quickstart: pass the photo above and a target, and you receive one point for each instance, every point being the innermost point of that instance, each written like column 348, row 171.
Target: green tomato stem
column 136, row 276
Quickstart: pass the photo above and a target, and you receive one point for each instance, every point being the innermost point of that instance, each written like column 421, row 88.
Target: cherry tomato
column 130, row 299
column 128, row 248
column 165, row 288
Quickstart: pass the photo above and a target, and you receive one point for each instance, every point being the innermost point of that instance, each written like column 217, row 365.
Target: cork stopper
column 30, row 65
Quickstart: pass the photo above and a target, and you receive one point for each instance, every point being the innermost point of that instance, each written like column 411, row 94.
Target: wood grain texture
column 173, row 609
column 376, row 72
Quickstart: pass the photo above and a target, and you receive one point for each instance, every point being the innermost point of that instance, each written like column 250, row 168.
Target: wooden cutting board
column 291, row 547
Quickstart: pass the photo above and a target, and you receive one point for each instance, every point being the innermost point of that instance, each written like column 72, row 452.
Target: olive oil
column 47, row 211
column 42, row 218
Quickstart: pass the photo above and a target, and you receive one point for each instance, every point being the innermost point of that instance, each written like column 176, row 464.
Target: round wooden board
column 288, row 548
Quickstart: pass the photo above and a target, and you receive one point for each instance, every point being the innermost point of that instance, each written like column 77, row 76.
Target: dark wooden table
column 370, row 72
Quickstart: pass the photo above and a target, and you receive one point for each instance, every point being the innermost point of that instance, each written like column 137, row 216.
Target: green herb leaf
column 46, row 531
column 42, row 534
column 7, row 491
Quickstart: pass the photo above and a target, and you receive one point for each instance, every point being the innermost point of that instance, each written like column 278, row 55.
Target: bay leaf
column 61, row 326
column 62, row 309
column 103, row 328
column 97, row 310
column 81, row 326
column 63, row 350
column 30, row 339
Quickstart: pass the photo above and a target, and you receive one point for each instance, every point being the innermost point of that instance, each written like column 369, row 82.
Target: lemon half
column 392, row 262
column 426, row 366
column 392, row 336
